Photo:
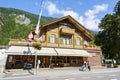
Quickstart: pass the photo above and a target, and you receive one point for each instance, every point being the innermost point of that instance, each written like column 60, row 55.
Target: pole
column 37, row 31
column 38, row 23
column 35, row 66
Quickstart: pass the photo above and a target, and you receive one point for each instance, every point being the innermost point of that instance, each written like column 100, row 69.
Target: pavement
column 47, row 72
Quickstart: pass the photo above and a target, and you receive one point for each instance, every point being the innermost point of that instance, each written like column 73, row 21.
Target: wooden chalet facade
column 65, row 42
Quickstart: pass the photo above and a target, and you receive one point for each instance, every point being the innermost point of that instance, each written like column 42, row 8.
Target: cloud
column 52, row 9
column 90, row 19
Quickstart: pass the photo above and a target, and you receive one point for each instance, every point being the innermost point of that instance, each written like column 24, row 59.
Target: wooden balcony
column 92, row 47
column 67, row 31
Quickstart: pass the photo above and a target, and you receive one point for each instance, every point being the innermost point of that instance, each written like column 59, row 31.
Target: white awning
column 72, row 52
column 47, row 51
column 24, row 50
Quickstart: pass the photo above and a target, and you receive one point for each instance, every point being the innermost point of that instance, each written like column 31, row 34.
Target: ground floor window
column 17, row 61
column 45, row 61
column 76, row 61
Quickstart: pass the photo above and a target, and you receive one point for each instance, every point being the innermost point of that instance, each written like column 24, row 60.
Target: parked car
column 110, row 63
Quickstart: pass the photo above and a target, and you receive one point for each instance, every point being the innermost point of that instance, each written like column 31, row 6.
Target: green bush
column 115, row 66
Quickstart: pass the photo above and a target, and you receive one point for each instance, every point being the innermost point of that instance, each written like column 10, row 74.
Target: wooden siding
column 55, row 29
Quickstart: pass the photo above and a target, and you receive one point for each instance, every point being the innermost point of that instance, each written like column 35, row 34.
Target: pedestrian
column 13, row 64
column 83, row 67
column 88, row 65
column 38, row 65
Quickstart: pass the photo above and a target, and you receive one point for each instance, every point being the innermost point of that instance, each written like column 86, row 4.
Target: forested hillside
column 17, row 24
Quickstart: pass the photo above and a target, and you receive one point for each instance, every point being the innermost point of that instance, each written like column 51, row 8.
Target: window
column 66, row 40
column 78, row 42
column 53, row 59
column 66, row 59
column 76, row 60
column 85, row 42
column 52, row 38
column 65, row 26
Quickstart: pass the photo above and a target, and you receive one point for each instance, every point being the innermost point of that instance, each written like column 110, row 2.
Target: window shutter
column 48, row 38
column 56, row 40
column 75, row 41
column 61, row 40
column 81, row 41
column 71, row 41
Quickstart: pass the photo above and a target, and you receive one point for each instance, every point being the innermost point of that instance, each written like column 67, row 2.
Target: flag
column 30, row 36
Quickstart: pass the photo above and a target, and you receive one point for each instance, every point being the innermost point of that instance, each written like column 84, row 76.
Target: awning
column 24, row 50
column 45, row 51
column 72, row 52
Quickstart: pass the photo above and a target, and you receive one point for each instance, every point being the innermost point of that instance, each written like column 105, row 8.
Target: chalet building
column 65, row 43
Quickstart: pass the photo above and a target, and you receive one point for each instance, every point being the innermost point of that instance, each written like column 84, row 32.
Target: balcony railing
column 91, row 47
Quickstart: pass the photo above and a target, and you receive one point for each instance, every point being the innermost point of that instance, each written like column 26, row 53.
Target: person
column 83, row 67
column 38, row 65
column 88, row 65
column 13, row 64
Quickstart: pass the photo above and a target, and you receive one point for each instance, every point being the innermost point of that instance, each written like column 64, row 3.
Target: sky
column 86, row 12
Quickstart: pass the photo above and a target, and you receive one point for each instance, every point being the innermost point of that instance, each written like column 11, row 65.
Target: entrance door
column 45, row 61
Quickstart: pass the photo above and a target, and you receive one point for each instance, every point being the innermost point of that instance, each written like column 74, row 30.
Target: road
column 96, row 74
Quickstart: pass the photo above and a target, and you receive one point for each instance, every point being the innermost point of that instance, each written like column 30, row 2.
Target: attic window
column 65, row 26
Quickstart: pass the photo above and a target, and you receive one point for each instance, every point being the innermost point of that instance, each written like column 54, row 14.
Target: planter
column 37, row 45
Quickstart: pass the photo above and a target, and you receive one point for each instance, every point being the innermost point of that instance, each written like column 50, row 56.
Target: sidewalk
column 47, row 72
column 10, row 71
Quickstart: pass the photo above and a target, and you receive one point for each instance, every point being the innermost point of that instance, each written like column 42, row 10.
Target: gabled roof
column 73, row 21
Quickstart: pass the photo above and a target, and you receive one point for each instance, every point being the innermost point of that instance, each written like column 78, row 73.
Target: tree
column 109, row 36
column 117, row 8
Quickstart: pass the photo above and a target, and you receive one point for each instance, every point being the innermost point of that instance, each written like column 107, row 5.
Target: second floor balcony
column 67, row 31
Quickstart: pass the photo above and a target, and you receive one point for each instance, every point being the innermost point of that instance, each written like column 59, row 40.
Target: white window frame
column 65, row 26
column 78, row 41
column 52, row 38
column 66, row 40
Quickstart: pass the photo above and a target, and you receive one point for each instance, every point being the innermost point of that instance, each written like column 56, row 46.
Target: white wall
column 3, row 58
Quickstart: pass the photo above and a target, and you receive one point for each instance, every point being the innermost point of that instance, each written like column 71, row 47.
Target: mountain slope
column 17, row 24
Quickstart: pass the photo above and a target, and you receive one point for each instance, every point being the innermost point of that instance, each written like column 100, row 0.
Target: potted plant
column 37, row 45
